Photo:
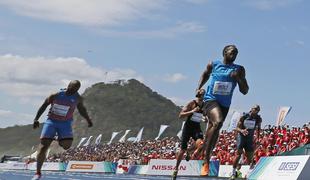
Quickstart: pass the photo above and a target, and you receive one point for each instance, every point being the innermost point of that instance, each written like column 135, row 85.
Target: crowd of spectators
column 138, row 153
column 272, row 141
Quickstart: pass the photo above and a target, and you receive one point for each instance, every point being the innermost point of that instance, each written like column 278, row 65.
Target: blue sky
column 166, row 44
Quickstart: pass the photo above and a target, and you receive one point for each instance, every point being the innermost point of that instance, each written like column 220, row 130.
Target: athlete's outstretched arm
column 82, row 110
column 205, row 75
column 242, row 82
column 42, row 108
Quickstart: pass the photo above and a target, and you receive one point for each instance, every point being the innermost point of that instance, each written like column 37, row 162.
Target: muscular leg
column 43, row 147
column 179, row 158
column 236, row 161
column 65, row 143
column 216, row 118
column 206, row 136
column 249, row 156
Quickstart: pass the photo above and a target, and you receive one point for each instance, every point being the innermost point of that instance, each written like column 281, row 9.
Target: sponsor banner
column 186, row 168
column 138, row 169
column 3, row 166
column 123, row 166
column 48, row 166
column 279, row 167
column 13, row 166
column 88, row 166
column 109, row 167
column 226, row 170
column 85, row 166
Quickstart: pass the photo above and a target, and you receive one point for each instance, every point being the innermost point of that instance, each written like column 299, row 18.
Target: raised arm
column 82, row 110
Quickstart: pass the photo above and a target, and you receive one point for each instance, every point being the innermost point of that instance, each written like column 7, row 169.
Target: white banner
column 113, row 136
column 161, row 130
column 139, row 136
column 123, row 166
column 234, row 121
column 226, row 170
column 98, row 139
column 123, row 138
column 85, row 166
column 166, row 167
column 13, row 166
column 88, row 141
column 181, row 130
column 81, row 141
column 279, row 167
column 283, row 111
column 47, row 166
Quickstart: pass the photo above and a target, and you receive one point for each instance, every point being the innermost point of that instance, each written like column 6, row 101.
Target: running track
column 27, row 175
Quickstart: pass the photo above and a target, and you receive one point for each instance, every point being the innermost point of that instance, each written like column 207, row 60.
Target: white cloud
column 31, row 77
column 86, row 12
column 270, row 4
column 7, row 117
column 169, row 32
column 174, row 78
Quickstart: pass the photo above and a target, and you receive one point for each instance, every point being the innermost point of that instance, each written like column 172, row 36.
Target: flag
column 113, row 136
column 122, row 139
column 88, row 141
column 139, row 136
column 234, row 121
column 48, row 153
column 98, row 139
column 161, row 130
column 181, row 130
column 283, row 111
column 81, row 141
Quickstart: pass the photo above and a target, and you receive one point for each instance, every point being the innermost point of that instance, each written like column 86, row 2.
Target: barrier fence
column 275, row 167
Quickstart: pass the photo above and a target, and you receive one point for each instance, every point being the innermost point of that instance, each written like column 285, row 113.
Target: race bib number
column 249, row 124
column 196, row 117
column 222, row 88
column 60, row 110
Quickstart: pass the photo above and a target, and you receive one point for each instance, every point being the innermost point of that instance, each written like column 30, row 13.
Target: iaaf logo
column 167, row 167
column 288, row 166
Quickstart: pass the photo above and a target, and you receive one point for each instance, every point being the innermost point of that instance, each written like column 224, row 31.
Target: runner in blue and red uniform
column 222, row 77
column 59, row 121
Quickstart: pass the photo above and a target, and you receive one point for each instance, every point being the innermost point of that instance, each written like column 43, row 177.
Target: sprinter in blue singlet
column 222, row 77
column 60, row 117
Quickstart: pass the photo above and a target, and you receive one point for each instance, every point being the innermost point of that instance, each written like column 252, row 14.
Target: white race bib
column 60, row 110
column 222, row 88
column 249, row 124
column 196, row 117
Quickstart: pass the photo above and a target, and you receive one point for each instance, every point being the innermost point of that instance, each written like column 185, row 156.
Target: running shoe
column 204, row 170
column 37, row 176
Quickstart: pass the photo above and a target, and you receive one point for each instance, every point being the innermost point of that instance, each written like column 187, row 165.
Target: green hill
column 113, row 107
